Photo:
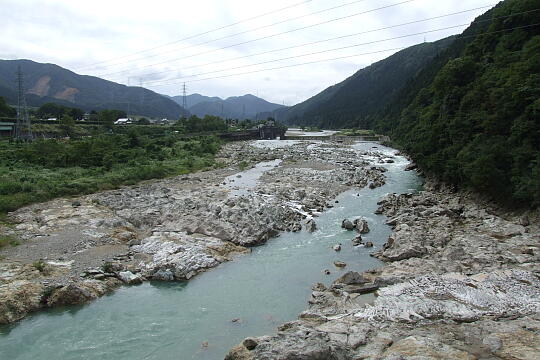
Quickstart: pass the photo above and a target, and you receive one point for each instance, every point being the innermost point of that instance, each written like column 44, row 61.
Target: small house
column 123, row 121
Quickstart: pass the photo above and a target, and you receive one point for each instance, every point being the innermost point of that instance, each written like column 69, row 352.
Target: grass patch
column 107, row 267
column 356, row 132
column 39, row 266
column 311, row 129
column 6, row 240
column 47, row 169
column 243, row 165
column 4, row 220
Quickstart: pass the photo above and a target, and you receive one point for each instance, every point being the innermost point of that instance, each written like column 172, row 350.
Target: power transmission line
column 345, row 47
column 313, row 53
column 199, row 34
column 350, row 46
column 288, row 66
column 248, row 31
column 344, row 57
column 302, row 45
column 274, row 35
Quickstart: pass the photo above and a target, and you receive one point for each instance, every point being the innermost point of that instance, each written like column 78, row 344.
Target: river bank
column 76, row 250
column 460, row 281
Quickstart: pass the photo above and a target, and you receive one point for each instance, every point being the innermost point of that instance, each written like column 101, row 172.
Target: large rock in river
column 81, row 292
column 361, row 225
column 347, row 224
column 18, row 298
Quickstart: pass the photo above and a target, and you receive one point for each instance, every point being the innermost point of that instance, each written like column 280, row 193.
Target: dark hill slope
column 52, row 83
column 194, row 99
column 236, row 107
column 472, row 117
column 353, row 101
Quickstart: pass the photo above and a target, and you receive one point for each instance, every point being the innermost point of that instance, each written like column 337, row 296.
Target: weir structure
column 262, row 132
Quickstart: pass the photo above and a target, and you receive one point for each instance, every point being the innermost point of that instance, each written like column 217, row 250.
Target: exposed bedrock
column 74, row 250
column 461, row 281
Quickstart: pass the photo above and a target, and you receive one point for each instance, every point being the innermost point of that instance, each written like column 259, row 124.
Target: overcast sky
column 141, row 42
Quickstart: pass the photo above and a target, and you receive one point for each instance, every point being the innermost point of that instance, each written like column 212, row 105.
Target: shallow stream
column 205, row 317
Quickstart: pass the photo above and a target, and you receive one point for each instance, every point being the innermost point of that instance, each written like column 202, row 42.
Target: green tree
column 6, row 110
column 51, row 110
column 76, row 113
column 108, row 117
column 94, row 116
column 473, row 118
column 67, row 123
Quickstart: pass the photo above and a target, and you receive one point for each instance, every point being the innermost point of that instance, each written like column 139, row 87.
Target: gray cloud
column 75, row 34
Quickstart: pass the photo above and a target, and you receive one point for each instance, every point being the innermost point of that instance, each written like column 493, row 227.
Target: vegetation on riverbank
column 356, row 132
column 70, row 158
column 6, row 240
column 476, row 122
column 45, row 169
column 469, row 116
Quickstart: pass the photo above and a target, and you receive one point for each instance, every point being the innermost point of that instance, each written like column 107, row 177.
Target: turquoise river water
column 263, row 289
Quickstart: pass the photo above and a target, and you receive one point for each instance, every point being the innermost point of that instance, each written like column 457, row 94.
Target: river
column 205, row 317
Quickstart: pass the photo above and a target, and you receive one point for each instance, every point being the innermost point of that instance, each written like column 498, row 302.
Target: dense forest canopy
column 53, row 110
column 352, row 102
column 466, row 108
column 477, row 123
column 194, row 124
column 6, row 111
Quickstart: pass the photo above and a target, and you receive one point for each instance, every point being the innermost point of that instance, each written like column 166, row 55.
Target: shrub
column 242, row 165
column 45, row 169
column 8, row 240
column 107, row 267
column 39, row 266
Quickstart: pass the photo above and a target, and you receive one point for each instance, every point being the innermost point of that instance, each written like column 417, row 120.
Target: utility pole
column 243, row 111
column 142, row 91
column 23, row 127
column 184, row 98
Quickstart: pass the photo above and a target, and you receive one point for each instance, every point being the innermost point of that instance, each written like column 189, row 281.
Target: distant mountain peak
column 47, row 82
column 237, row 107
column 365, row 92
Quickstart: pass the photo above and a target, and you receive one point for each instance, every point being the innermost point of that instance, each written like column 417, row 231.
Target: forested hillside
column 235, row 107
column 472, row 117
column 194, row 99
column 46, row 83
column 353, row 101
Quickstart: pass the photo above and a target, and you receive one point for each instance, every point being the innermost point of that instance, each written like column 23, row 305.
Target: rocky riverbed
column 74, row 250
column 461, row 281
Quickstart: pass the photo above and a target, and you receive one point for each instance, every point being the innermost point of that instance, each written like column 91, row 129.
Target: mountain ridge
column 353, row 100
column 194, row 99
column 46, row 82
column 472, row 117
column 237, row 107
